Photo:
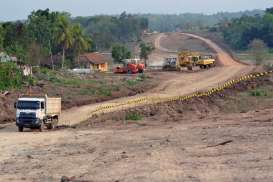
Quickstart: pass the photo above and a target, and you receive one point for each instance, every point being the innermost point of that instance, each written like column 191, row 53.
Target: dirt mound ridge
column 173, row 111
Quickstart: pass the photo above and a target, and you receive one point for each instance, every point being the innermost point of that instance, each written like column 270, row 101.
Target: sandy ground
column 190, row 149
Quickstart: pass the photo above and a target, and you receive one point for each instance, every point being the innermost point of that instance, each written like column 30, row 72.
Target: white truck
column 37, row 112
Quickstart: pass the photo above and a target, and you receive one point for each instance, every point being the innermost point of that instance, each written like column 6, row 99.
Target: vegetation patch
column 133, row 116
column 264, row 91
column 139, row 79
column 10, row 76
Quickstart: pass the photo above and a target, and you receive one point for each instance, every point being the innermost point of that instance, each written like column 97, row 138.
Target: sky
column 20, row 9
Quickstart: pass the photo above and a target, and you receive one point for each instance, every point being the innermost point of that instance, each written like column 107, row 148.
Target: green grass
column 246, row 56
column 258, row 93
column 62, row 79
column 261, row 92
column 133, row 116
column 87, row 91
column 104, row 91
column 140, row 78
column 132, row 83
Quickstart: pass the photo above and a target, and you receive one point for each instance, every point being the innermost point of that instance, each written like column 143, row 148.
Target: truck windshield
column 28, row 105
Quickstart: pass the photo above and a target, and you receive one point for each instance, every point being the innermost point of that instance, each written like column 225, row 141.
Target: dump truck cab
column 37, row 112
column 30, row 112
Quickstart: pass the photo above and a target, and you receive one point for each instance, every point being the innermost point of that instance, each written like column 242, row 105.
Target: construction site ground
column 193, row 141
column 201, row 140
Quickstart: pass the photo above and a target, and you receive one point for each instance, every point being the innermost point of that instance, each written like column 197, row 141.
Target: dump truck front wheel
column 20, row 129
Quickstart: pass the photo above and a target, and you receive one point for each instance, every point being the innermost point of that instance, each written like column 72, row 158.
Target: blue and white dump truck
column 37, row 112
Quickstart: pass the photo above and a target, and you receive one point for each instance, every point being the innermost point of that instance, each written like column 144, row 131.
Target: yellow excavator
column 189, row 60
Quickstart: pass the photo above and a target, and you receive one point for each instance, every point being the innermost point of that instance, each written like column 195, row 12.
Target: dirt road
column 153, row 150
column 173, row 84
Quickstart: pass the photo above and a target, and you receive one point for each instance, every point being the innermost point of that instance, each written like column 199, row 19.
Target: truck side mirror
column 15, row 105
column 42, row 105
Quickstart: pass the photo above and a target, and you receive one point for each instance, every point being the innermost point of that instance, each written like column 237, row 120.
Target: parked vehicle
column 131, row 66
column 189, row 60
column 37, row 112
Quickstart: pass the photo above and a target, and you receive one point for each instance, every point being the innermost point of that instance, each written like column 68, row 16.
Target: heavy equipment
column 189, row 60
column 35, row 112
column 130, row 66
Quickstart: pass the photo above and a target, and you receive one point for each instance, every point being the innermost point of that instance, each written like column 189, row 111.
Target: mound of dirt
column 178, row 42
column 7, row 112
column 193, row 108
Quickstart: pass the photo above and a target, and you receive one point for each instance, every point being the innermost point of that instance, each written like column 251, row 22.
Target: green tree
column 109, row 30
column 145, row 51
column 119, row 53
column 64, row 35
column 15, row 39
column 259, row 50
column 240, row 32
column 81, row 41
column 41, row 25
column 34, row 54
column 2, row 36
column 269, row 10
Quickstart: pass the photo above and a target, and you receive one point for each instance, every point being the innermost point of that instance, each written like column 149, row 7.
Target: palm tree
column 64, row 35
column 81, row 41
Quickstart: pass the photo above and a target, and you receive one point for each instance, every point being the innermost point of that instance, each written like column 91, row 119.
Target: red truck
column 132, row 67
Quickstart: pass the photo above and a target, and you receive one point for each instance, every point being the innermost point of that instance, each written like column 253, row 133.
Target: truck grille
column 27, row 117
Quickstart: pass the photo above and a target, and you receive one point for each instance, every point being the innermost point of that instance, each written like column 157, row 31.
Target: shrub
column 258, row 93
column 133, row 116
column 142, row 77
column 10, row 76
column 132, row 82
column 104, row 91
column 31, row 81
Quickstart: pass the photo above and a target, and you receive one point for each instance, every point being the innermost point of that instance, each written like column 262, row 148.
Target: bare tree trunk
column 145, row 62
column 63, row 59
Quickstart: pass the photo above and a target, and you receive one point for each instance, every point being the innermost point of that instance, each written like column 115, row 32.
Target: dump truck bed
column 53, row 106
column 206, row 62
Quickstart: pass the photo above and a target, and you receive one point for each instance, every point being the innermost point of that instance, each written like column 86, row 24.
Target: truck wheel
column 56, row 122
column 190, row 68
column 53, row 125
column 41, row 127
column 20, row 129
column 49, row 126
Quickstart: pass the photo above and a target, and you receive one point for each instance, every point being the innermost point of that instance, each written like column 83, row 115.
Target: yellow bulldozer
column 189, row 59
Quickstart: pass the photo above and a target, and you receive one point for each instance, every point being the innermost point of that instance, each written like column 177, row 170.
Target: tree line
column 191, row 21
column 240, row 32
column 107, row 31
column 44, row 34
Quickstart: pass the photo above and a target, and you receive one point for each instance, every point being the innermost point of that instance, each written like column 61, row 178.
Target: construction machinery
column 189, row 60
column 36, row 112
column 131, row 66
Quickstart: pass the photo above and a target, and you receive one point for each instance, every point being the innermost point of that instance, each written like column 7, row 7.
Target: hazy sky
column 19, row 9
